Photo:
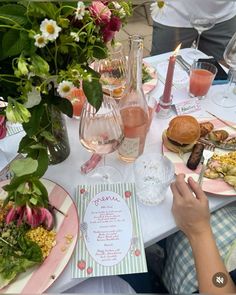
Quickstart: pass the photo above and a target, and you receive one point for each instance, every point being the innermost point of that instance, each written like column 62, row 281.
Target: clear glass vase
column 59, row 148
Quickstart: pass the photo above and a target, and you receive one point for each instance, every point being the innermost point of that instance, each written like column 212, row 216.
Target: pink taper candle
column 166, row 98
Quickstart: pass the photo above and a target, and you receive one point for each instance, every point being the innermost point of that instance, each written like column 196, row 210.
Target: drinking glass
column 153, row 175
column 227, row 98
column 113, row 70
column 201, row 24
column 202, row 75
column 101, row 133
column 77, row 98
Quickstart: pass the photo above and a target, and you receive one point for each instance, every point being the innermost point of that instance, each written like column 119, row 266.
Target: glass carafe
column 133, row 106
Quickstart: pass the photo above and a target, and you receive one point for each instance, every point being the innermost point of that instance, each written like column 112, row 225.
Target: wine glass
column 200, row 24
column 101, row 133
column 113, row 71
column 227, row 98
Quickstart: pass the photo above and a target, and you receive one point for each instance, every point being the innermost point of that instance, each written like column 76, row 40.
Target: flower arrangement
column 46, row 49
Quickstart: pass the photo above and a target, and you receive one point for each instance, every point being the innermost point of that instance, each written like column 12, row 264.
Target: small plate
column 149, row 85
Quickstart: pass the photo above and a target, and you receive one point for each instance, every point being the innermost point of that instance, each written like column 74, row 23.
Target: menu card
column 110, row 240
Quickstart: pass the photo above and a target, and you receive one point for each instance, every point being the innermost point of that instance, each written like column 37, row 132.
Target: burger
column 181, row 135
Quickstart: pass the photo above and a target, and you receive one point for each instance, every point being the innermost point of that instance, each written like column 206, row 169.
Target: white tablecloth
column 156, row 222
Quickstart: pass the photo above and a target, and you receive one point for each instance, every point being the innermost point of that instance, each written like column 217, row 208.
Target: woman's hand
column 191, row 211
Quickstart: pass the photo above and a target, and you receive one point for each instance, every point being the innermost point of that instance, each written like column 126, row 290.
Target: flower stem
column 14, row 28
column 55, row 58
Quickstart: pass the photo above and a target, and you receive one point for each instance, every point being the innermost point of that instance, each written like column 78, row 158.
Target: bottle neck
column 135, row 63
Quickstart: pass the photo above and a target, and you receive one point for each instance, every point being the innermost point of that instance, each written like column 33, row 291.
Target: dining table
column 157, row 222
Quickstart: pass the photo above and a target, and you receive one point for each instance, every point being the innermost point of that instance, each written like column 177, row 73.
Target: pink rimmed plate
column 213, row 186
column 38, row 279
column 149, row 85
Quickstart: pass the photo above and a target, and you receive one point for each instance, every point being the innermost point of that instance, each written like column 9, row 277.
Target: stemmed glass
column 101, row 133
column 227, row 98
column 201, row 24
column 113, row 71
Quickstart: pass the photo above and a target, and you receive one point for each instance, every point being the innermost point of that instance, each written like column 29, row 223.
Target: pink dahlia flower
column 100, row 11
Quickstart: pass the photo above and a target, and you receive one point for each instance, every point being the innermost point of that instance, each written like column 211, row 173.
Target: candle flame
column 177, row 49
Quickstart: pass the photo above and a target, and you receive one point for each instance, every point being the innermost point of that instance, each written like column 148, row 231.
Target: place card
column 188, row 106
column 110, row 240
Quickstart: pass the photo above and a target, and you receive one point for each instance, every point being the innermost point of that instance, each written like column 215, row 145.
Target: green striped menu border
column 130, row 263
column 11, row 130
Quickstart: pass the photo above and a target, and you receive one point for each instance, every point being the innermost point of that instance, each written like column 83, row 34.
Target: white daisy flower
column 40, row 41
column 157, row 8
column 50, row 29
column 75, row 36
column 80, row 11
column 116, row 5
column 64, row 88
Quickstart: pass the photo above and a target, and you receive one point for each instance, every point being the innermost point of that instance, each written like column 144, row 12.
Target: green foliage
column 13, row 14
column 44, row 44
column 16, row 259
column 93, row 91
column 24, row 166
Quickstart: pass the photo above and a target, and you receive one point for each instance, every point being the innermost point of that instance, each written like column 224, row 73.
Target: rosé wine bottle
column 133, row 106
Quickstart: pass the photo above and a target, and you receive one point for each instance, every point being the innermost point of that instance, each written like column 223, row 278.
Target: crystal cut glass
column 153, row 175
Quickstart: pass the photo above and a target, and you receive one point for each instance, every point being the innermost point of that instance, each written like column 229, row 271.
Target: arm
column 193, row 217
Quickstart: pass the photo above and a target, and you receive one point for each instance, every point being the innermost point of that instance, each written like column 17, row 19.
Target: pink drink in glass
column 202, row 75
column 200, row 82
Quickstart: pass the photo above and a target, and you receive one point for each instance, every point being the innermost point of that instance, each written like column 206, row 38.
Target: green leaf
column 42, row 163
column 48, row 136
column 25, row 143
column 15, row 182
column 33, row 201
column 24, row 166
column 42, row 188
column 63, row 104
column 14, row 12
column 99, row 51
column 38, row 146
column 31, row 250
column 12, row 43
column 39, row 65
column 44, row 9
column 93, row 92
column 33, row 126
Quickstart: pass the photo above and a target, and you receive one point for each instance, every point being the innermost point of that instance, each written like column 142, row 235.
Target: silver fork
column 207, row 154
